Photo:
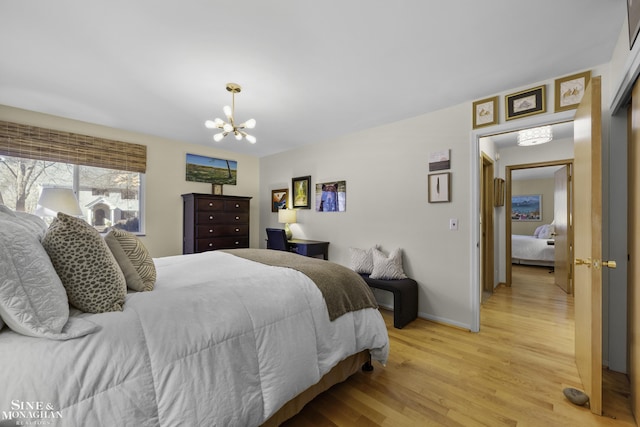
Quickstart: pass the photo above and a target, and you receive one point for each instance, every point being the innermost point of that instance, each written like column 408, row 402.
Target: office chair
column 277, row 239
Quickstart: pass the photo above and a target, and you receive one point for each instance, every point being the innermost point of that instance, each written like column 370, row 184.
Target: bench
column 405, row 298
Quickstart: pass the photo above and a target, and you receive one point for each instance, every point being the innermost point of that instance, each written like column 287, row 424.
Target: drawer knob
column 210, row 216
column 237, row 230
column 237, row 243
column 210, row 245
column 210, row 203
column 237, row 218
column 211, row 230
column 237, row 205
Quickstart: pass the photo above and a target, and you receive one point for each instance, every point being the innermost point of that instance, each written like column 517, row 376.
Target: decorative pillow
column 88, row 270
column 536, row 233
column 33, row 301
column 387, row 268
column 362, row 260
column 133, row 258
column 547, row 232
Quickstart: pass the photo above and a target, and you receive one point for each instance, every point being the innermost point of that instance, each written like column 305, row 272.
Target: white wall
column 386, row 171
column 165, row 177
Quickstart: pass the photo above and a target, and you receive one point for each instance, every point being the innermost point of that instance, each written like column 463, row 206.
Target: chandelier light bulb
column 229, row 126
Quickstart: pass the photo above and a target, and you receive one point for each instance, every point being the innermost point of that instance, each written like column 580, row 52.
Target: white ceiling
column 310, row 70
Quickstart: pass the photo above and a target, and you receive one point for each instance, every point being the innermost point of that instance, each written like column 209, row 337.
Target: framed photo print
column 440, row 187
column 331, row 196
column 526, row 207
column 279, row 199
column 216, row 189
column 485, row 112
column 570, row 90
column 525, row 103
column 301, row 192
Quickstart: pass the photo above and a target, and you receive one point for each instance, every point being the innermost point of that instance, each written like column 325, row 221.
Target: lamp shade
column 54, row 200
column 286, row 216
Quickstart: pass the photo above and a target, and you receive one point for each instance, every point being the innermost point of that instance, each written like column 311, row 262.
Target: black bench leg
column 405, row 307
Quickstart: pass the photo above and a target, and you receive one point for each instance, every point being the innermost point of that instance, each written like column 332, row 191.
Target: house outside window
column 107, row 197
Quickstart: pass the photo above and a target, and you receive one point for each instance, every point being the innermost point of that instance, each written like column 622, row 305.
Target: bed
column 532, row 250
column 232, row 338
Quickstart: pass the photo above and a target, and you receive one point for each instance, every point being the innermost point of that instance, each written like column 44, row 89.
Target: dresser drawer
column 209, row 205
column 217, row 230
column 203, row 218
column 203, row 245
column 236, row 206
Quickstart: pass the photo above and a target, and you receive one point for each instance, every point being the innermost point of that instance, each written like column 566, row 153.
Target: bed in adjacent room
column 537, row 249
column 235, row 338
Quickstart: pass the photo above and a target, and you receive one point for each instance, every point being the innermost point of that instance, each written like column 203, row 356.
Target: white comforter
column 221, row 341
column 531, row 248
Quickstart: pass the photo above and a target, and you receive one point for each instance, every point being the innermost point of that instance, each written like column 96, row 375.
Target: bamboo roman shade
column 37, row 143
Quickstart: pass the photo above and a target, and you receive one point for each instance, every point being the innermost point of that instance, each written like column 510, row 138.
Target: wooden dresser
column 214, row 222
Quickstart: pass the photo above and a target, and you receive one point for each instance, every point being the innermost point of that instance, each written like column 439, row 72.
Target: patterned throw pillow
column 133, row 258
column 89, row 272
column 361, row 260
column 387, row 268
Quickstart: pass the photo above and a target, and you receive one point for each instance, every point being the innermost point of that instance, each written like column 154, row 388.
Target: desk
column 310, row 248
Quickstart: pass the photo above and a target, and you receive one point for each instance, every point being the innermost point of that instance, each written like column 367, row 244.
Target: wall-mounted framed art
column 331, row 196
column 279, row 199
column 439, row 187
column 211, row 170
column 633, row 18
column 526, row 207
column 216, row 189
column 525, row 103
column 485, row 112
column 301, row 192
column 569, row 91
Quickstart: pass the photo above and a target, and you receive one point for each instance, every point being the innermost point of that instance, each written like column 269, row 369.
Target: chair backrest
column 277, row 239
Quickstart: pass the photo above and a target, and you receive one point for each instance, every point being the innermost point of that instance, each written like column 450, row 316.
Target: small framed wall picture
column 279, row 199
column 485, row 112
column 525, row 103
column 439, row 187
column 570, row 90
column 301, row 192
column 216, row 189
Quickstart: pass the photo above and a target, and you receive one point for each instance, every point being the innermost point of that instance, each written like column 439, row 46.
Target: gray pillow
column 133, row 258
column 89, row 272
column 387, row 268
column 361, row 260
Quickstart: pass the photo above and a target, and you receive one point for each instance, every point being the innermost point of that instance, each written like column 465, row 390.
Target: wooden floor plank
column 511, row 373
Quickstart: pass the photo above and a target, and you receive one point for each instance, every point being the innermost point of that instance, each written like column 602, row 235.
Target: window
column 106, row 175
column 107, row 197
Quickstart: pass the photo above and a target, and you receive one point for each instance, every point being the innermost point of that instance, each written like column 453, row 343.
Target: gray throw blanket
column 342, row 288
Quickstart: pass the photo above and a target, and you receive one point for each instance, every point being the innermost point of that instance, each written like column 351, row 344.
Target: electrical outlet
column 453, row 224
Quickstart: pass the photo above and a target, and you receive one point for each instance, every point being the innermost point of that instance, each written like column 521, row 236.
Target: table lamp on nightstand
column 286, row 217
column 54, row 200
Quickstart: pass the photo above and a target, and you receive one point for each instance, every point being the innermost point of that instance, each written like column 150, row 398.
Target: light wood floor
column 512, row 373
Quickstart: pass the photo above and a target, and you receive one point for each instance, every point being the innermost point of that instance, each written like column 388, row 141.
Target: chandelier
column 230, row 125
column 534, row 136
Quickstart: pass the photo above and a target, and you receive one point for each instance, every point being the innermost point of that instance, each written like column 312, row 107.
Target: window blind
column 18, row 140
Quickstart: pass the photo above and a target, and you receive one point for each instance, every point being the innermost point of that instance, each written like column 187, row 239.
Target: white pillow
column 536, row 233
column 33, row 301
column 361, row 260
column 387, row 268
column 547, row 232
